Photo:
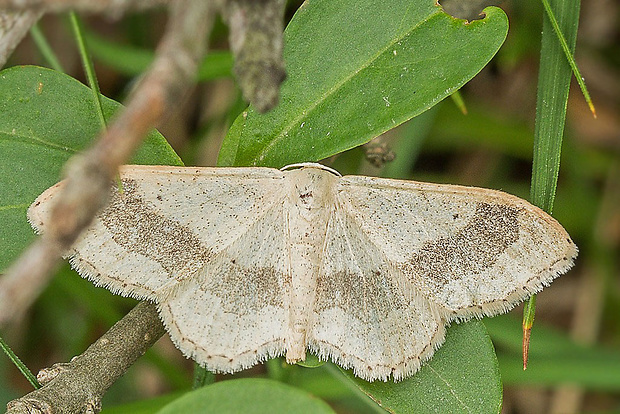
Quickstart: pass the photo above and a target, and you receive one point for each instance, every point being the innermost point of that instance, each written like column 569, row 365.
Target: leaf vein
column 29, row 139
column 450, row 388
column 261, row 154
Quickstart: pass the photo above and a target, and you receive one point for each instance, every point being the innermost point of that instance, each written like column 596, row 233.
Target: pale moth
column 247, row 264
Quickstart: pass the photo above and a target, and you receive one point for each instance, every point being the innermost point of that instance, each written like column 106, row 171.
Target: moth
column 247, row 264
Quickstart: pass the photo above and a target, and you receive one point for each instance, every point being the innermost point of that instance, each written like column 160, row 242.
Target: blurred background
column 575, row 351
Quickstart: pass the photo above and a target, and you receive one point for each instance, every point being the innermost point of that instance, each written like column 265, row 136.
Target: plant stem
column 45, row 48
column 32, row 379
column 89, row 68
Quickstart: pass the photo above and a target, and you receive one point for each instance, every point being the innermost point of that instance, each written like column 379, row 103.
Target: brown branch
column 13, row 27
column 89, row 175
column 111, row 7
column 78, row 386
column 256, row 28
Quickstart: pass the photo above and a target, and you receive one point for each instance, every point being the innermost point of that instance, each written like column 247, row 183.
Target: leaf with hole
column 358, row 69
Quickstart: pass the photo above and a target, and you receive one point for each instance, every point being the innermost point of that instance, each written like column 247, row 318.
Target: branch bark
column 13, row 27
column 18, row 16
column 256, row 28
column 111, row 7
column 78, row 386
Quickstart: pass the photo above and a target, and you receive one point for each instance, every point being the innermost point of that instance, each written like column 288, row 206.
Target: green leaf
column 45, row 49
column 249, row 395
column 588, row 370
column 45, row 118
column 462, row 377
column 349, row 82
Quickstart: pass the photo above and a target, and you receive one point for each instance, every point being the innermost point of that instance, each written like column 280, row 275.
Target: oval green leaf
column 45, row 118
column 357, row 69
column 248, row 395
column 462, row 377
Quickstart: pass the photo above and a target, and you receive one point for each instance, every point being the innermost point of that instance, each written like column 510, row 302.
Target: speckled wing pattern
column 206, row 245
column 403, row 259
column 246, row 264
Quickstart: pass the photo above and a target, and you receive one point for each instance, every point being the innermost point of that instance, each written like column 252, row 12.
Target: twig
column 111, row 7
column 78, row 386
column 18, row 16
column 256, row 41
column 13, row 27
column 89, row 175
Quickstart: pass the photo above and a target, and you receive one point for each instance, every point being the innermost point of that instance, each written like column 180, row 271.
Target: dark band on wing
column 245, row 290
column 139, row 228
column 473, row 249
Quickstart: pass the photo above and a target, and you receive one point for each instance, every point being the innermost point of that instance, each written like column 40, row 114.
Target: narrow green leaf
column 46, row 117
column 459, row 102
column 553, row 85
column 569, row 54
column 348, row 83
column 126, row 59
column 589, row 371
column 462, row 377
column 44, row 48
column 32, row 379
column 89, row 68
column 552, row 99
column 250, row 395
column 529, row 312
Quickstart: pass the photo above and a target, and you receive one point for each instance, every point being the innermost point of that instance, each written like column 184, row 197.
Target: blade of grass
column 457, row 98
column 553, row 86
column 19, row 364
column 89, row 68
column 528, row 321
column 44, row 47
column 569, row 53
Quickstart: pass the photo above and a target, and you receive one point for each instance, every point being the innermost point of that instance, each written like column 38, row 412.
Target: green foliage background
column 347, row 83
